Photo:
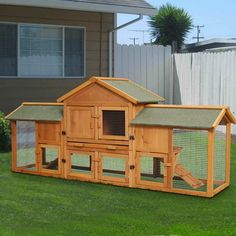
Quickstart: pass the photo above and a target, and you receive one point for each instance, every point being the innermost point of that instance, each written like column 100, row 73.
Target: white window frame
column 63, row 27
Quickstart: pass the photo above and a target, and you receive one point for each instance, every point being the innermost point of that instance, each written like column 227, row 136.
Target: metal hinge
column 63, row 132
column 132, row 167
column 131, row 137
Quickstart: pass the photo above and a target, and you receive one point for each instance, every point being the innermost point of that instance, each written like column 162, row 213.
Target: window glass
column 8, row 50
column 74, row 52
column 40, row 50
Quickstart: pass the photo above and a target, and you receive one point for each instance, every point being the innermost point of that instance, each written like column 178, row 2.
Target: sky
column 218, row 17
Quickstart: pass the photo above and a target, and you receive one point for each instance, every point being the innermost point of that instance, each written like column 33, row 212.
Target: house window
column 31, row 50
column 8, row 50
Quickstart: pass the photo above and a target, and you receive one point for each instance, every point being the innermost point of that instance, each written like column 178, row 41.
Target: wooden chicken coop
column 113, row 131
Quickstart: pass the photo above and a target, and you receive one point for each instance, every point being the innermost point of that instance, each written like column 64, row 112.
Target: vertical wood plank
column 14, row 145
column 210, row 169
column 228, row 146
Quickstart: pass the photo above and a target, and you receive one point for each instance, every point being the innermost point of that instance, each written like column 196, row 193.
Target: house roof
column 183, row 117
column 111, row 6
column 123, row 87
column 38, row 112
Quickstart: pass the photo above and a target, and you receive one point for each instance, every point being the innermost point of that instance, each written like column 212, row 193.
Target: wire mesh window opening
column 113, row 166
column 113, row 122
column 191, row 159
column 25, row 142
column 152, row 169
column 50, row 158
column 81, row 163
column 220, row 156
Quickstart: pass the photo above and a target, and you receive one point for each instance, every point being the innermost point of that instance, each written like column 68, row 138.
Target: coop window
column 152, row 169
column 81, row 163
column 50, row 158
column 25, row 141
column 113, row 122
column 114, row 166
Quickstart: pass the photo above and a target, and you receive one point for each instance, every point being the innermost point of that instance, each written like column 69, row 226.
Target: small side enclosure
column 112, row 131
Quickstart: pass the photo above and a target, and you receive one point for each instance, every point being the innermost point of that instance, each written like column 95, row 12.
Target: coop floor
column 35, row 205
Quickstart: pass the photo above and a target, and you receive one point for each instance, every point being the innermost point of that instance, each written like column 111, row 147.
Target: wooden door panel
column 81, row 122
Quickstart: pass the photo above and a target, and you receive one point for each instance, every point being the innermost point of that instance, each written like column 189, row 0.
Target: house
column 113, row 131
column 47, row 47
column 215, row 44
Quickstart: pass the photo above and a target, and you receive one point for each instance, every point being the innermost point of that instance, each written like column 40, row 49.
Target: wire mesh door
column 49, row 158
column 113, row 167
column 151, row 169
column 81, row 164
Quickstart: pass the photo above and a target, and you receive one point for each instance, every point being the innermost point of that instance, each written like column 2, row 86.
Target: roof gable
column 123, row 87
column 183, row 117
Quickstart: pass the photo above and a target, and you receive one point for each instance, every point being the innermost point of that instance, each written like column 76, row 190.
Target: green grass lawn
column 34, row 205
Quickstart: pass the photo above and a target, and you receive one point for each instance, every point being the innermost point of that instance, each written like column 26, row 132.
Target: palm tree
column 171, row 24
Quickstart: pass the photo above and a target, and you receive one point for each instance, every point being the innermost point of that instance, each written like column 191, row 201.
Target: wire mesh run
column 50, row 158
column 81, row 163
column 25, row 142
column 191, row 159
column 220, row 156
column 152, row 169
column 113, row 166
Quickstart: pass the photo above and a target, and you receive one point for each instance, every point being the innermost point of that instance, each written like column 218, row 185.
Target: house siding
column 13, row 91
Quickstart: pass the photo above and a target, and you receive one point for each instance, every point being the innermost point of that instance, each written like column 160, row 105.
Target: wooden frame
column 112, row 179
column 100, row 125
column 81, row 175
column 41, row 168
column 150, row 183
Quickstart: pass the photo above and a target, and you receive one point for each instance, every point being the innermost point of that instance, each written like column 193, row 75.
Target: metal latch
column 63, row 132
column 131, row 137
column 132, row 167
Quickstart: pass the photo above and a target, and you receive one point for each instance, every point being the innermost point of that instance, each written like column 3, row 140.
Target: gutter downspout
column 111, row 41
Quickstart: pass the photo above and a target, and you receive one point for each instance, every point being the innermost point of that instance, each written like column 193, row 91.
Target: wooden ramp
column 188, row 177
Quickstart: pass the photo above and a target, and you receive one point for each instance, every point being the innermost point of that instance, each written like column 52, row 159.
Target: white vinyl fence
column 205, row 78
column 148, row 65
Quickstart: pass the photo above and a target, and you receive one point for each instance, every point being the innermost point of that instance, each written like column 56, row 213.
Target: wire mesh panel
column 152, row 169
column 25, row 141
column 50, row 157
column 190, row 159
column 220, row 156
column 81, row 163
column 114, row 166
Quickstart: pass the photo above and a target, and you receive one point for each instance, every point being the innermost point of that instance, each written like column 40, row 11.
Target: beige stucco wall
column 13, row 91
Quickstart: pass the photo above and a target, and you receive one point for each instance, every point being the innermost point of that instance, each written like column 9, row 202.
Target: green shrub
column 5, row 133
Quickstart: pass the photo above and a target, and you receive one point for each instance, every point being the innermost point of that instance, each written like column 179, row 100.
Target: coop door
column 81, row 164
column 49, row 158
column 113, row 123
column 151, row 169
column 113, row 167
column 81, row 122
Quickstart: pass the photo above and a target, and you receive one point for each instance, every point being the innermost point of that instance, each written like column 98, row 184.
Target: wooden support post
column 170, row 169
column 14, row 146
column 210, row 169
column 228, row 146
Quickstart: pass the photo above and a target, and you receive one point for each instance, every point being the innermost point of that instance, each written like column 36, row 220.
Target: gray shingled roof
column 37, row 113
column 177, row 117
column 127, row 3
column 110, row 6
column 141, row 94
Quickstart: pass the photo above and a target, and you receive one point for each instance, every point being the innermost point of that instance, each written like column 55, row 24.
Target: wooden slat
column 210, row 168
column 219, row 118
column 188, row 106
column 228, row 147
column 13, row 145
